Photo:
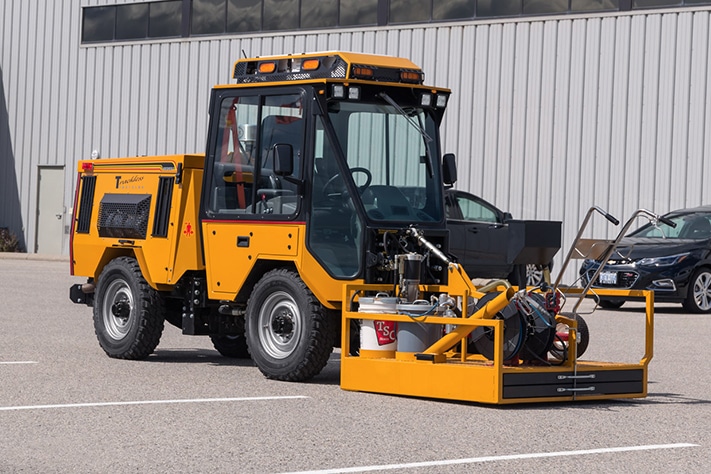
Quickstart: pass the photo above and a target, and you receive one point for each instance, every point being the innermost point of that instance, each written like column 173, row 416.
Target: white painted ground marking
column 150, row 402
column 18, row 362
column 509, row 457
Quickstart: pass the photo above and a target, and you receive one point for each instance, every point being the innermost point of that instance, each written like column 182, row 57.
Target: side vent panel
column 162, row 215
column 124, row 216
column 86, row 204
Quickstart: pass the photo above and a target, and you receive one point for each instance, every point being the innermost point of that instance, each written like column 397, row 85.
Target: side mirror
column 449, row 169
column 507, row 216
column 283, row 159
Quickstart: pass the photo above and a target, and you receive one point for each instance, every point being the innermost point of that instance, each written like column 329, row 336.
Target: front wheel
column 128, row 313
column 288, row 331
column 698, row 299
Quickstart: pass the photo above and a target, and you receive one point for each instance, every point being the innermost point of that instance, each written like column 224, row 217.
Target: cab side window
column 245, row 180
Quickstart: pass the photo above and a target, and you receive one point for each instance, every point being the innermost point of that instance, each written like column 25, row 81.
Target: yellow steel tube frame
column 445, row 373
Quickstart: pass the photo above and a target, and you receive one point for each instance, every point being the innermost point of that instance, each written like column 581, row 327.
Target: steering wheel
column 332, row 179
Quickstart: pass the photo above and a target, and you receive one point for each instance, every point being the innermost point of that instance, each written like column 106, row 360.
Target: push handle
column 667, row 221
column 612, row 219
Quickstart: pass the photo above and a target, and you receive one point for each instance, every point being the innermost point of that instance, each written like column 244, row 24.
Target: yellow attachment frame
column 445, row 370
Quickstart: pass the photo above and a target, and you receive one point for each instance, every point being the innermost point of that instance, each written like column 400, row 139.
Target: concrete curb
column 33, row 256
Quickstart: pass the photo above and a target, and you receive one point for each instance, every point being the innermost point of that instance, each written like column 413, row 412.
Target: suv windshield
column 389, row 151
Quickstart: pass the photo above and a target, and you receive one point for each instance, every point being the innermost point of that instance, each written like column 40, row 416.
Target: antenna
column 244, row 55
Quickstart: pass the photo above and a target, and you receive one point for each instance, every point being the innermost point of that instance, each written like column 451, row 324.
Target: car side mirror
column 507, row 216
column 449, row 169
column 283, row 159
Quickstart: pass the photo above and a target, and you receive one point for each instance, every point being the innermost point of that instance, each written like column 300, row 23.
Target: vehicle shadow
column 192, row 355
column 329, row 375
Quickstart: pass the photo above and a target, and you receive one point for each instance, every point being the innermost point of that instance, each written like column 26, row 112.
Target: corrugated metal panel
column 547, row 117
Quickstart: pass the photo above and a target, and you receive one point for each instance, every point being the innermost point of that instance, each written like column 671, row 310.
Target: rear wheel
column 698, row 299
column 288, row 331
column 128, row 313
column 232, row 345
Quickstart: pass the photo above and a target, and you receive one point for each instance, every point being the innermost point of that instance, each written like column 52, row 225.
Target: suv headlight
column 663, row 261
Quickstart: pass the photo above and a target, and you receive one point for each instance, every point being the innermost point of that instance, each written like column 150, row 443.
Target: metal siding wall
column 547, row 117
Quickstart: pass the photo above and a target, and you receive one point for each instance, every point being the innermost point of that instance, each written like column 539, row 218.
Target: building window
column 132, row 21
column 164, row 18
column 655, row 3
column 208, row 17
column 409, row 11
column 281, row 15
column 98, row 24
column 454, row 10
column 594, row 5
column 540, row 7
column 244, row 15
column 494, row 8
column 319, row 13
column 358, row 13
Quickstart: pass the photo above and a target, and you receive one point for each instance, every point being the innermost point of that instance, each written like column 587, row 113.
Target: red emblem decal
column 385, row 332
column 188, row 230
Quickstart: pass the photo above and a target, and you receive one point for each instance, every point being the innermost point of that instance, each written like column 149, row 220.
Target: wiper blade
column 417, row 126
column 402, row 112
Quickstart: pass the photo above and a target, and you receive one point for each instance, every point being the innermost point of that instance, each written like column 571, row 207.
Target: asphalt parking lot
column 66, row 407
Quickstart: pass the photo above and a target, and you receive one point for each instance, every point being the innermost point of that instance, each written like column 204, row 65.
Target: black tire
column 559, row 350
column 128, row 313
column 698, row 298
column 288, row 331
column 234, row 345
column 517, row 277
column 608, row 304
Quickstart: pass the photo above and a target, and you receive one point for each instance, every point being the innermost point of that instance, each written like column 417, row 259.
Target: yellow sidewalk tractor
column 316, row 219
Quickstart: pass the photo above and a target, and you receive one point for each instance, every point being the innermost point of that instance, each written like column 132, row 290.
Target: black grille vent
column 162, row 217
column 86, row 204
column 124, row 215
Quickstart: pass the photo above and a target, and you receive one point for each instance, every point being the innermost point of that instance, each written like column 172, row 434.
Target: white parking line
column 11, row 362
column 150, row 402
column 509, row 457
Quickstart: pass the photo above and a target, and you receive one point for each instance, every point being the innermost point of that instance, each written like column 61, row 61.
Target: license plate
column 608, row 278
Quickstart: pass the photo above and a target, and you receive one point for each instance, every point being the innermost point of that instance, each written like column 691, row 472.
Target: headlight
column 663, row 261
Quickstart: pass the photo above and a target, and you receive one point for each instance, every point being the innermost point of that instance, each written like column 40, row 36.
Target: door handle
column 58, row 216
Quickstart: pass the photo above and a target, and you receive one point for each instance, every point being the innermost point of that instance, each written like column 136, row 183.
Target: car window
column 688, row 226
column 475, row 210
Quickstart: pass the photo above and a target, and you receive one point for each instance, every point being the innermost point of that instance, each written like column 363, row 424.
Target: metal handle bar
column 577, row 238
column 611, row 248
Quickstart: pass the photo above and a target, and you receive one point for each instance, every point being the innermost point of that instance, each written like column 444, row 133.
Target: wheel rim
column 118, row 307
column 534, row 275
column 280, row 325
column 702, row 291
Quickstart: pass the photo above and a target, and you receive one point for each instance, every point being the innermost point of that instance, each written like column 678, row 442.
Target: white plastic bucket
column 378, row 339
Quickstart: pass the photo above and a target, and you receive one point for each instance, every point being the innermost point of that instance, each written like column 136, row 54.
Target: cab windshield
column 391, row 151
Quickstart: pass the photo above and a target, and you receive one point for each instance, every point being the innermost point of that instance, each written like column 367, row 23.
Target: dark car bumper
column 669, row 284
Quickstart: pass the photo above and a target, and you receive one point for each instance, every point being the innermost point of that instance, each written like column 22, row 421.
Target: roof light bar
column 333, row 65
